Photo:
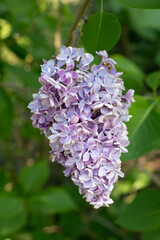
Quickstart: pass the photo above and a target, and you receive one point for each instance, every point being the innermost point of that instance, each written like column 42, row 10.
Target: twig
column 78, row 33
column 76, row 28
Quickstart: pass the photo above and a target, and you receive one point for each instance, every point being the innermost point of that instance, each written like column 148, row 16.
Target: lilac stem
column 76, row 28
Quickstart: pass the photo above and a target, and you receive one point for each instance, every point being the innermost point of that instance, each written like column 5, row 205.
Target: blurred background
column 36, row 201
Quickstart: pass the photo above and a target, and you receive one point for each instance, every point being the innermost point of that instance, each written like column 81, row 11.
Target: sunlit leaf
column 5, row 28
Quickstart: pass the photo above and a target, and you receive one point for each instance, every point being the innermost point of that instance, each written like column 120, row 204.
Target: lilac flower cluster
column 80, row 108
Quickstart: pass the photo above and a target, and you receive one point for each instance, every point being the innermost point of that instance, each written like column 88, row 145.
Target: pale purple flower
column 67, row 56
column 80, row 109
column 105, row 60
column 67, row 76
column 103, row 54
column 129, row 97
column 85, row 100
column 70, row 95
column 68, row 133
column 104, row 101
column 85, row 60
column 49, row 67
column 55, row 135
column 71, row 162
column 93, row 150
column 36, row 105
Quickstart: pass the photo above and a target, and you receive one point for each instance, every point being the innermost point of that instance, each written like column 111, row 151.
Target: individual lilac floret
column 68, row 134
column 81, row 109
column 85, row 60
column 48, row 67
column 67, row 76
column 109, row 62
column 67, row 56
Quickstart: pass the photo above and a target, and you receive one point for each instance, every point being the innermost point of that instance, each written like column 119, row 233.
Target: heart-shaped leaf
column 101, row 32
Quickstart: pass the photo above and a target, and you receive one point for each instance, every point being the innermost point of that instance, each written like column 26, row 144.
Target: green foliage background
column 36, row 201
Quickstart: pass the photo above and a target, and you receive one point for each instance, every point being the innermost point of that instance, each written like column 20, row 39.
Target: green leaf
column 146, row 4
column 12, row 215
column 153, row 80
column 132, row 82
column 34, row 177
column 147, row 19
column 132, row 74
column 53, row 200
column 143, row 128
column 6, row 114
column 101, row 32
column 126, row 66
column 148, row 23
column 154, row 235
column 143, row 214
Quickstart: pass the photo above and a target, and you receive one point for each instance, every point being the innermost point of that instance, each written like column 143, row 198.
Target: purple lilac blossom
column 81, row 109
